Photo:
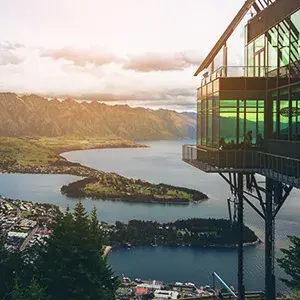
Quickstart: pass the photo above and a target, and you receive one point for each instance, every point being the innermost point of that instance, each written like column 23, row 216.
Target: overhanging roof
column 225, row 36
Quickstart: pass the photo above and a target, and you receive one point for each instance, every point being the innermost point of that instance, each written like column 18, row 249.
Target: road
column 28, row 238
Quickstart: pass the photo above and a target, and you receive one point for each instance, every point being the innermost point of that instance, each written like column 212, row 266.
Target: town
column 25, row 223
column 157, row 290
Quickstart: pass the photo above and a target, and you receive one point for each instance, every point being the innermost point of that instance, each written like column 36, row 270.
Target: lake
column 161, row 162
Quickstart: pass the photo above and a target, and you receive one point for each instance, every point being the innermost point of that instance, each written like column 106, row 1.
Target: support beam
column 275, row 194
column 258, row 194
column 229, row 210
column 241, row 287
column 282, row 200
column 235, row 188
column 269, row 241
column 254, row 207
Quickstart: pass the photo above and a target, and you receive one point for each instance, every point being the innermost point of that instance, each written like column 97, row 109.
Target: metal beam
column 269, row 241
column 225, row 36
column 244, row 192
column 277, row 209
column 259, row 194
column 254, row 207
column 241, row 287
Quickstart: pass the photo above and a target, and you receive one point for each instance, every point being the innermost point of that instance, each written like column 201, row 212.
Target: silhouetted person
column 259, row 140
column 222, row 143
column 249, row 136
column 248, row 139
column 232, row 145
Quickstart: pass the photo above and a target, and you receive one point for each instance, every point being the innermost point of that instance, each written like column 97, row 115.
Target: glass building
column 255, row 106
column 249, row 119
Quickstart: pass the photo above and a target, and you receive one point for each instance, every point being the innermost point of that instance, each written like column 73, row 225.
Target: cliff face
column 35, row 115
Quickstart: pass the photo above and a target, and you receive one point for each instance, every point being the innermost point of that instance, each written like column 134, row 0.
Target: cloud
column 162, row 61
column 99, row 76
column 176, row 95
column 147, row 62
column 174, row 99
column 82, row 57
column 10, row 46
column 9, row 55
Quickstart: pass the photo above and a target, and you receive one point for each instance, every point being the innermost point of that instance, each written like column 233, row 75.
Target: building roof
column 159, row 294
column 225, row 36
column 141, row 291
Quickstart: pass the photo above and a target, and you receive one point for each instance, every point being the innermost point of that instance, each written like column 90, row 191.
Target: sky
column 138, row 52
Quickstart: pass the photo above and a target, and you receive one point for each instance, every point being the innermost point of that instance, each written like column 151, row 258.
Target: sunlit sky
column 143, row 53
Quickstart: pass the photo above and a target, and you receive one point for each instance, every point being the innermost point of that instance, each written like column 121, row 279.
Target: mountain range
column 32, row 115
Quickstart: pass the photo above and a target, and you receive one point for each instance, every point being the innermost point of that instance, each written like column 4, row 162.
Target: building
column 249, row 117
column 161, row 294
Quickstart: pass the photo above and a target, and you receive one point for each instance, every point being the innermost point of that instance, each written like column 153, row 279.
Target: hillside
column 228, row 125
column 32, row 115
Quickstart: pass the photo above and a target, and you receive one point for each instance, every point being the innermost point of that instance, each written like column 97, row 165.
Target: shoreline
column 107, row 250
column 66, row 167
column 123, row 248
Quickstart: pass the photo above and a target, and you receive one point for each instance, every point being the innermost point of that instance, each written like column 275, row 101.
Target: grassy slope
column 122, row 186
column 44, row 151
column 40, row 151
column 23, row 152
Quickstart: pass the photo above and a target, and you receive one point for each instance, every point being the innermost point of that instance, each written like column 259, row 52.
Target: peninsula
column 115, row 187
column 190, row 232
column 41, row 156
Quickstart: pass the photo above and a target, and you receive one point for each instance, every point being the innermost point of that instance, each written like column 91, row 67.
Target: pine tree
column 34, row 291
column 99, row 236
column 17, row 293
column 10, row 264
column 71, row 265
column 94, row 223
column 80, row 216
column 290, row 263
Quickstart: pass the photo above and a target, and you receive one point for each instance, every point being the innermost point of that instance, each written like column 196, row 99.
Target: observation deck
column 277, row 167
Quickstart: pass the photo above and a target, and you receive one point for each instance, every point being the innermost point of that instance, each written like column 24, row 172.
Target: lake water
column 161, row 162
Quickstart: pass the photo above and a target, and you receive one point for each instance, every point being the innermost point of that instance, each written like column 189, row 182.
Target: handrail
column 239, row 71
column 215, row 275
column 281, row 168
column 225, row 36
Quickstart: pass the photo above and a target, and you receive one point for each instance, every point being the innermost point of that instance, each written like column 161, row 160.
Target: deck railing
column 239, row 71
column 254, row 160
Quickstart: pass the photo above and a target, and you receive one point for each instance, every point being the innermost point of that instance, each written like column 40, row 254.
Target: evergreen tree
column 94, row 220
column 10, row 265
column 34, row 291
column 290, row 263
column 71, row 265
column 96, row 232
column 17, row 293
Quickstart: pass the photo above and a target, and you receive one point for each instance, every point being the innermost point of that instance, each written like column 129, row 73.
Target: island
column 41, row 155
column 190, row 232
column 115, row 187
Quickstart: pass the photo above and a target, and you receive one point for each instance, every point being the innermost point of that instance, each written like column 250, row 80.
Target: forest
column 190, row 232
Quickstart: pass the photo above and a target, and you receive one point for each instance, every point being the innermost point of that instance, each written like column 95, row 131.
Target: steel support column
column 269, row 240
column 241, row 286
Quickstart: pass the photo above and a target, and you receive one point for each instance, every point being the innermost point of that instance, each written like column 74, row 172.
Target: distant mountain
column 228, row 127
column 191, row 115
column 37, row 116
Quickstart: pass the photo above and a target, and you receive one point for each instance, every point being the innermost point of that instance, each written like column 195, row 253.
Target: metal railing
column 239, row 71
column 223, row 284
column 210, row 160
column 221, row 159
